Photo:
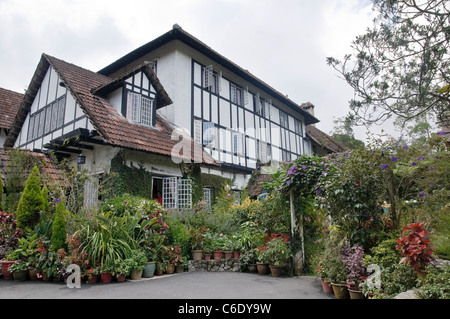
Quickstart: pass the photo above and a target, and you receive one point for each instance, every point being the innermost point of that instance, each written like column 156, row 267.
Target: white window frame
column 139, row 109
column 207, row 197
column 177, row 193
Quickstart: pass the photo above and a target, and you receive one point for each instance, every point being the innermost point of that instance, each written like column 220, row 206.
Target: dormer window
column 139, row 109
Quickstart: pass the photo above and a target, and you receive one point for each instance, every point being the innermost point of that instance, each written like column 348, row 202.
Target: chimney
column 308, row 107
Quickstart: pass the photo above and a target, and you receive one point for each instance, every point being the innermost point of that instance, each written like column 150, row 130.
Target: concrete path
column 194, row 285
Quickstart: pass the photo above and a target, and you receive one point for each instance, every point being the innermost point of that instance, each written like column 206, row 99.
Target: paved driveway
column 194, row 285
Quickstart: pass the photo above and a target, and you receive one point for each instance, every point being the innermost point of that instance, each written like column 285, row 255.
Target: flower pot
column 7, row 275
column 251, row 268
column 421, row 274
column 197, row 254
column 326, row 286
column 355, row 293
column 170, row 269
column 276, row 271
column 208, row 256
column 179, row 268
column 45, row 276
column 20, row 275
column 217, row 254
column 340, row 291
column 32, row 273
column 149, row 270
column 106, row 277
column 92, row 279
column 158, row 272
column 228, row 255
column 262, row 268
column 136, row 274
column 121, row 278
column 236, row 254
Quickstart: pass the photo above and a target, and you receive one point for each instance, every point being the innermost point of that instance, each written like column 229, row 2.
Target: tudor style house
column 230, row 118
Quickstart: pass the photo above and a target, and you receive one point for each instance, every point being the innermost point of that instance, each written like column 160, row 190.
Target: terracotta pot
column 92, row 279
column 197, row 254
column 170, row 269
column 136, row 274
column 355, row 293
column 207, row 256
column 20, row 275
column 217, row 254
column 106, row 277
column 236, row 254
column 45, row 276
column 340, row 291
column 326, row 286
column 251, row 267
column 228, row 255
column 121, row 278
column 32, row 273
column 7, row 275
column 179, row 268
column 262, row 268
column 276, row 271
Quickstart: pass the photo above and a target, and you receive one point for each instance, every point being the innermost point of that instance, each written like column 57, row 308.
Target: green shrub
column 2, row 208
column 436, row 284
column 31, row 203
column 58, row 238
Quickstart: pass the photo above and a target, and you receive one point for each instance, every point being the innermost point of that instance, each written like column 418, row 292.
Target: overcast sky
column 283, row 42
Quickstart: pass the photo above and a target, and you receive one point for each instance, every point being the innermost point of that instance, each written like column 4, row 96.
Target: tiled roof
column 9, row 105
column 325, row 141
column 113, row 128
column 49, row 170
column 177, row 33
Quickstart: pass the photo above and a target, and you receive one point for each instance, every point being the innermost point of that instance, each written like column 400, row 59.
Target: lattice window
column 219, row 82
column 258, row 105
column 209, row 134
column 31, row 128
column 61, row 108
column 184, row 193
column 208, row 76
column 236, row 94
column 246, row 96
column 41, row 123
column 283, row 119
column 147, row 112
column 170, row 192
column 238, row 143
column 198, row 131
column 267, row 106
column 36, row 125
column 207, row 197
column 298, row 127
column 48, row 119
column 263, row 151
column 91, row 193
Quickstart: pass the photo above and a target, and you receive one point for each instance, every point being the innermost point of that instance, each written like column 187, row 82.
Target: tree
column 58, row 238
column 402, row 65
column 343, row 132
column 31, row 202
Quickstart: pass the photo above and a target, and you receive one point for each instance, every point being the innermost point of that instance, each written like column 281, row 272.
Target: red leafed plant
column 415, row 246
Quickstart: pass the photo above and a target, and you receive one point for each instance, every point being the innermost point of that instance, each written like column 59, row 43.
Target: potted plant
column 416, row 248
column 262, row 266
column 197, row 241
column 92, row 275
column 9, row 237
column 326, row 285
column 19, row 270
column 152, row 249
column 121, row 270
column 236, row 246
column 106, row 273
column 136, row 262
column 352, row 256
column 248, row 259
column 277, row 254
column 337, row 275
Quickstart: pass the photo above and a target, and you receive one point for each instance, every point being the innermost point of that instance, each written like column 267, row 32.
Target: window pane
column 146, row 112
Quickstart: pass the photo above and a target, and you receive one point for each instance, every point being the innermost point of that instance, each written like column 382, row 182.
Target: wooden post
column 291, row 196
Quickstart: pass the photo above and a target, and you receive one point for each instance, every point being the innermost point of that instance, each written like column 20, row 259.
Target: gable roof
column 324, row 141
column 9, row 106
column 177, row 33
column 111, row 127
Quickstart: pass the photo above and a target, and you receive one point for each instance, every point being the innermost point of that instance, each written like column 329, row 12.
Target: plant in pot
column 279, row 253
column 9, row 238
column 136, row 262
column 19, row 270
column 416, row 248
column 326, row 284
column 152, row 248
column 236, row 245
column 262, row 265
column 352, row 256
column 197, row 242
column 337, row 275
column 248, row 259
column 173, row 257
column 92, row 275
column 121, row 270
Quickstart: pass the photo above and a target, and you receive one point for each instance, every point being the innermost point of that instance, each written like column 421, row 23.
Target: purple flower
column 384, row 166
column 314, row 163
column 319, row 191
column 421, row 194
column 421, row 158
column 414, row 164
column 324, row 173
column 58, row 200
column 405, row 147
column 304, row 166
column 394, row 159
column 288, row 182
column 440, row 133
column 276, row 189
